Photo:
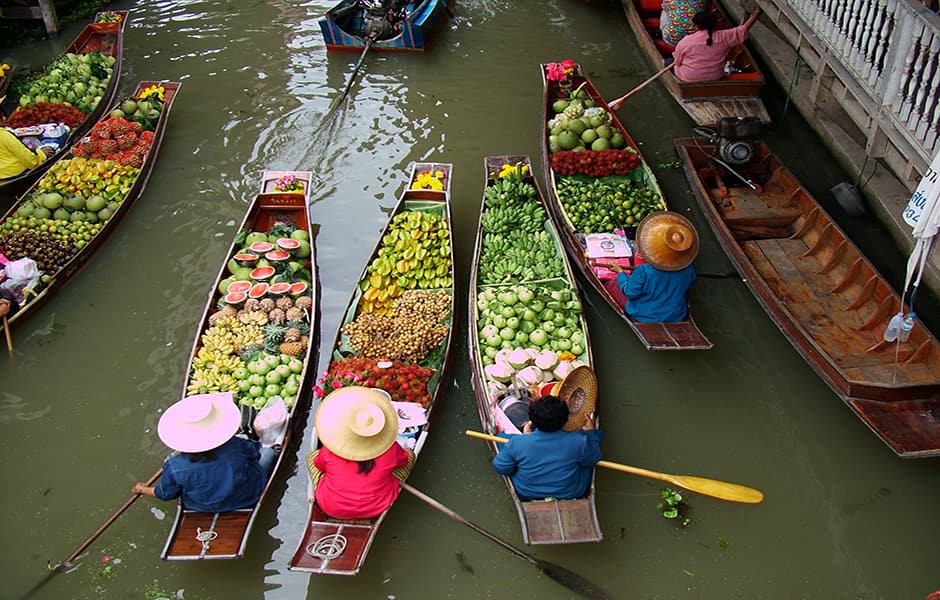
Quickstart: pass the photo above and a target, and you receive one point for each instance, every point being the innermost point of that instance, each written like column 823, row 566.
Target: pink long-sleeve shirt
column 697, row 61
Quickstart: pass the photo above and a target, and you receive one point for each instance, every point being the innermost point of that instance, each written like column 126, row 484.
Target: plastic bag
column 271, row 423
column 20, row 274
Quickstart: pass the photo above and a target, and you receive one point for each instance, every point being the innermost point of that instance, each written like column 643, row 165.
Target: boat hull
column 331, row 546
column 823, row 294
column 412, row 33
column 679, row 335
column 227, row 533
column 736, row 95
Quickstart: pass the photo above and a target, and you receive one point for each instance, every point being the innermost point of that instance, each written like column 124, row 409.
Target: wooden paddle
column 6, row 332
column 569, row 579
column 616, row 104
column 710, row 487
column 101, row 528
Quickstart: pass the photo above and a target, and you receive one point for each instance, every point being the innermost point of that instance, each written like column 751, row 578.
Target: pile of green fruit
column 78, row 80
column 579, row 125
column 522, row 316
column 601, row 204
column 415, row 254
column 515, row 245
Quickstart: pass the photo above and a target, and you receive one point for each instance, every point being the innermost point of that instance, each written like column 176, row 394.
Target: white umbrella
column 923, row 214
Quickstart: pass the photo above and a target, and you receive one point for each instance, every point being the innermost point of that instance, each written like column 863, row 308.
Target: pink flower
column 560, row 71
column 105, row 558
column 318, row 391
column 336, row 384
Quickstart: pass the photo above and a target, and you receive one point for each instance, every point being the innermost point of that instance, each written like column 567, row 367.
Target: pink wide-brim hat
column 199, row 423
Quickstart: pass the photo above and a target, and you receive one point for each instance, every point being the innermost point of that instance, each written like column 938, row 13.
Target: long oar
column 616, row 104
column 6, row 333
column 339, row 99
column 569, row 579
column 101, row 528
column 710, row 487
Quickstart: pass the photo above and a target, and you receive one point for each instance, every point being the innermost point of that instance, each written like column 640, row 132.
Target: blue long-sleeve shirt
column 558, row 464
column 235, row 479
column 656, row 296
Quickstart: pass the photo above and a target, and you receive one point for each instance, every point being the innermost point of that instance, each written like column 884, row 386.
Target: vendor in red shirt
column 701, row 56
column 357, row 469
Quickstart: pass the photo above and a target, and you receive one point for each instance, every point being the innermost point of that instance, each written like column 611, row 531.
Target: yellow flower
column 428, row 180
column 151, row 91
column 518, row 170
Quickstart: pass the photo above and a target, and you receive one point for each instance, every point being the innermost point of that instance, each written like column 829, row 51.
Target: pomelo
column 245, row 259
column 298, row 288
column 588, row 136
column 303, row 251
column 299, row 234
column 600, row 144
column 261, row 247
column 617, row 140
column 277, row 256
column 288, row 244
column 568, row 140
column 576, row 126
column 225, row 284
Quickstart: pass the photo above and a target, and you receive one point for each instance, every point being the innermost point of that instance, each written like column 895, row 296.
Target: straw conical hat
column 200, row 423
column 357, row 423
column 579, row 391
column 667, row 240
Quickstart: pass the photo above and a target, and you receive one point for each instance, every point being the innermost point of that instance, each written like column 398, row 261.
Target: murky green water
column 843, row 517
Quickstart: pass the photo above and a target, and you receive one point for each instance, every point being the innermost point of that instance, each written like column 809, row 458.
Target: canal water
column 843, row 516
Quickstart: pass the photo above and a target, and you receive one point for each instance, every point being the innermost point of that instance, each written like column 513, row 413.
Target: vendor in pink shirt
column 357, row 469
column 701, row 56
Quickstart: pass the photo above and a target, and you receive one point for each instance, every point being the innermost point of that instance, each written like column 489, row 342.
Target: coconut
column 519, row 358
column 533, row 352
column 498, row 372
column 546, row 360
column 495, row 388
column 564, row 367
column 548, row 376
column 530, row 376
column 502, row 355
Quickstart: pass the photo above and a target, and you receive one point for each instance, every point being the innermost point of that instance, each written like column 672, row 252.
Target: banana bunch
column 253, row 317
column 519, row 256
column 230, row 334
column 508, row 192
column 214, row 359
column 522, row 217
column 204, row 381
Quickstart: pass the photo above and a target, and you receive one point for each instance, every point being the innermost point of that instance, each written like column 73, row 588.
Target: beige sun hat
column 667, row 240
column 579, row 391
column 357, row 423
column 199, row 423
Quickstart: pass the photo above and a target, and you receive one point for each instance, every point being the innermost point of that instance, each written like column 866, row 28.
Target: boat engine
column 380, row 18
column 734, row 137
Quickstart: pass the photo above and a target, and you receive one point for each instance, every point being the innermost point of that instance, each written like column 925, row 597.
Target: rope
column 205, row 537
column 328, row 546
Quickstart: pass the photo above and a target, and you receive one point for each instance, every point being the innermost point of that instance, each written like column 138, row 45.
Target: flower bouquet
column 289, row 183
column 561, row 73
column 107, row 21
column 429, row 180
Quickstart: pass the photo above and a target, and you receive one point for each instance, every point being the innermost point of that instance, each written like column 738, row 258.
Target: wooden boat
column 334, row 546
column 196, row 535
column 109, row 41
column 549, row 521
column 734, row 95
column 125, row 196
column 393, row 25
column 822, row 293
column 681, row 335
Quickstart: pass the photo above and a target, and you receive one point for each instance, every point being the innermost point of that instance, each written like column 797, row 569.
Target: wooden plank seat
column 568, row 521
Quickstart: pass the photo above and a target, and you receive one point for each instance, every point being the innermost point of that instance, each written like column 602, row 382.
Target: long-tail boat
column 821, row 291
column 381, row 24
column 108, row 39
column 737, row 94
column 636, row 186
column 257, row 312
column 407, row 287
column 51, row 231
column 520, row 269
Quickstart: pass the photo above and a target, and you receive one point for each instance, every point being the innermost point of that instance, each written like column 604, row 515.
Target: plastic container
column 907, row 324
column 894, row 328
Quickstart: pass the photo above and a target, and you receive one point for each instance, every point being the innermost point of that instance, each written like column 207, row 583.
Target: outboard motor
column 379, row 18
column 735, row 136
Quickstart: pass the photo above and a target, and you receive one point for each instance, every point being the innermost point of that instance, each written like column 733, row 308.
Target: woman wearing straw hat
column 656, row 290
column 357, row 469
column 555, row 457
column 213, row 470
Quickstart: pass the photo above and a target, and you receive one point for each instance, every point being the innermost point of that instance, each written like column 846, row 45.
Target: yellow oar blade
column 710, row 487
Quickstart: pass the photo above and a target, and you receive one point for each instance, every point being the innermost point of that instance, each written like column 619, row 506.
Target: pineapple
column 277, row 316
column 301, row 326
column 304, row 303
column 295, row 314
column 267, row 305
column 291, row 348
column 274, row 334
column 284, row 303
column 292, row 334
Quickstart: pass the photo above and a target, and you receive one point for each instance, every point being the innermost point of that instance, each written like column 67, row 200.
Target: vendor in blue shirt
column 656, row 290
column 547, row 461
column 212, row 470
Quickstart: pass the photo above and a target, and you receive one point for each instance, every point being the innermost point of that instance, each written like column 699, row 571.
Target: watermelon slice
column 296, row 289
column 246, row 259
column 239, row 286
column 261, row 272
column 276, row 255
column 258, row 290
column 235, row 298
column 261, row 247
column 279, row 288
column 288, row 244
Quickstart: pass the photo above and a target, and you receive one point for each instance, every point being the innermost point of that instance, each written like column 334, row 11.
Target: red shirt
column 345, row 493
